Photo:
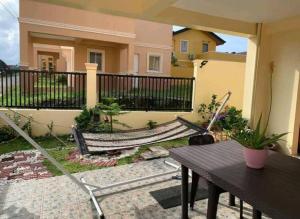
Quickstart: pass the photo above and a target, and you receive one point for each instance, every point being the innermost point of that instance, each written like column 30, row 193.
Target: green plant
column 207, row 111
column 174, row 60
column 110, row 109
column 231, row 120
column 6, row 134
column 84, row 119
column 50, row 127
column 191, row 57
column 62, row 79
column 255, row 139
column 27, row 127
column 151, row 124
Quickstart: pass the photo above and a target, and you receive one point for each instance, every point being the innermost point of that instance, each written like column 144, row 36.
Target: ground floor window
column 154, row 62
column 97, row 56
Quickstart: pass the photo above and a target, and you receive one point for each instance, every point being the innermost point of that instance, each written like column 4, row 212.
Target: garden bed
column 68, row 156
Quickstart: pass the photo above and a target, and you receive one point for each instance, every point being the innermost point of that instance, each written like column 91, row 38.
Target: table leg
column 213, row 200
column 241, row 209
column 231, row 200
column 184, row 192
column 195, row 180
column 256, row 214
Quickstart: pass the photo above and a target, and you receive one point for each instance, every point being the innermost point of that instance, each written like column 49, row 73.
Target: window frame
column 160, row 64
column 102, row 56
column 187, row 46
column 206, row 43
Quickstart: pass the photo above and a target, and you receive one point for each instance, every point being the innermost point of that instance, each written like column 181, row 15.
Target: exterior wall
column 218, row 77
column 279, row 50
column 222, row 73
column 142, row 53
column 89, row 26
column 182, row 71
column 195, row 39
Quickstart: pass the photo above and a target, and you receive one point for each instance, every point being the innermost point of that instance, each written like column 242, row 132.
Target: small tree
column 110, row 108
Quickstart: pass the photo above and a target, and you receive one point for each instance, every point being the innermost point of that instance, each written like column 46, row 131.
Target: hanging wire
column 9, row 10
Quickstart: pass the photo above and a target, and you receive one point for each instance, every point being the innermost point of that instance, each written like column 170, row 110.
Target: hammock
column 90, row 143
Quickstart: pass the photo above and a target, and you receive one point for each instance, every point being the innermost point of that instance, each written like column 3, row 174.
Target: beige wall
column 195, row 39
column 62, row 120
column 185, row 68
column 218, row 77
column 279, row 50
column 182, row 71
column 132, row 36
column 142, row 53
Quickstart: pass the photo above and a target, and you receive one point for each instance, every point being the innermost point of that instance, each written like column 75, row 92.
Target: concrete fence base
column 64, row 119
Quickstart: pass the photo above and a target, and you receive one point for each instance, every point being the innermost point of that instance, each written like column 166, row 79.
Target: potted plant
column 256, row 144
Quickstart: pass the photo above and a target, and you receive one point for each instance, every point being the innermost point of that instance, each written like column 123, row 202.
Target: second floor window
column 184, row 46
column 204, row 47
column 96, row 56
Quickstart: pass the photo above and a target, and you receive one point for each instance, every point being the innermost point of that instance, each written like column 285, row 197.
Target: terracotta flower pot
column 255, row 158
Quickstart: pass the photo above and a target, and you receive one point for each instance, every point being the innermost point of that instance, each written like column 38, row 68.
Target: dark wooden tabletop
column 274, row 190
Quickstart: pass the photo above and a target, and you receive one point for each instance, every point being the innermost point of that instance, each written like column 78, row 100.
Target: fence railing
column 147, row 93
column 42, row 89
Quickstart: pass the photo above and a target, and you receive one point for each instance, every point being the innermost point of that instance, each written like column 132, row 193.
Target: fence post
column 91, row 84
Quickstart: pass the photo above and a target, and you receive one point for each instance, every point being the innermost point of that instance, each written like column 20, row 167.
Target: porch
column 68, row 54
column 55, row 197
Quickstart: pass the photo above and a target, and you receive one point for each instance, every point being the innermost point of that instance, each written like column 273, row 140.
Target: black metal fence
column 42, row 89
column 147, row 93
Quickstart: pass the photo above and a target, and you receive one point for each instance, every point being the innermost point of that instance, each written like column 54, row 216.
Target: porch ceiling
column 233, row 16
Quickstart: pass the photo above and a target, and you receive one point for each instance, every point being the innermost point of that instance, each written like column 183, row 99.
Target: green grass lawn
column 60, row 152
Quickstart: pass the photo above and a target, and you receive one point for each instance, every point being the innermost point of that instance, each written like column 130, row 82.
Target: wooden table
column 274, row 190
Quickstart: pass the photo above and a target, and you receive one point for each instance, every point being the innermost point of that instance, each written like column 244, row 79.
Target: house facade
column 61, row 38
column 189, row 44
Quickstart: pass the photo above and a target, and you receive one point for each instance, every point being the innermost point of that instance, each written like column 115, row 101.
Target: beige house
column 61, row 38
column 189, row 44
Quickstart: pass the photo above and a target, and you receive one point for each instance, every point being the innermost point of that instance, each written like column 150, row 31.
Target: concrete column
column 196, row 92
column 24, row 61
column 250, row 73
column 91, row 84
column 130, row 55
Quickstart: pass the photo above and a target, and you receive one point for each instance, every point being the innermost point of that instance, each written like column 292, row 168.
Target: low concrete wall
column 64, row 119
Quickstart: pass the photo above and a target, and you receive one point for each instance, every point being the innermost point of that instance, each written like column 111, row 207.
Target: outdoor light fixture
column 203, row 63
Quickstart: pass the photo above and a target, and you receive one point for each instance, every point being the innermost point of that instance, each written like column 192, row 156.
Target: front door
column 47, row 63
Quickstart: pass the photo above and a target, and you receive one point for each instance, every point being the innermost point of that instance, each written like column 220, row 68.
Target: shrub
column 84, row 119
column 207, row 111
column 6, row 134
column 62, row 79
column 110, row 108
column 231, row 120
column 151, row 124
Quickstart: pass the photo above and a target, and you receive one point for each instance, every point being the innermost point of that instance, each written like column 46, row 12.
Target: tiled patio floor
column 58, row 197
